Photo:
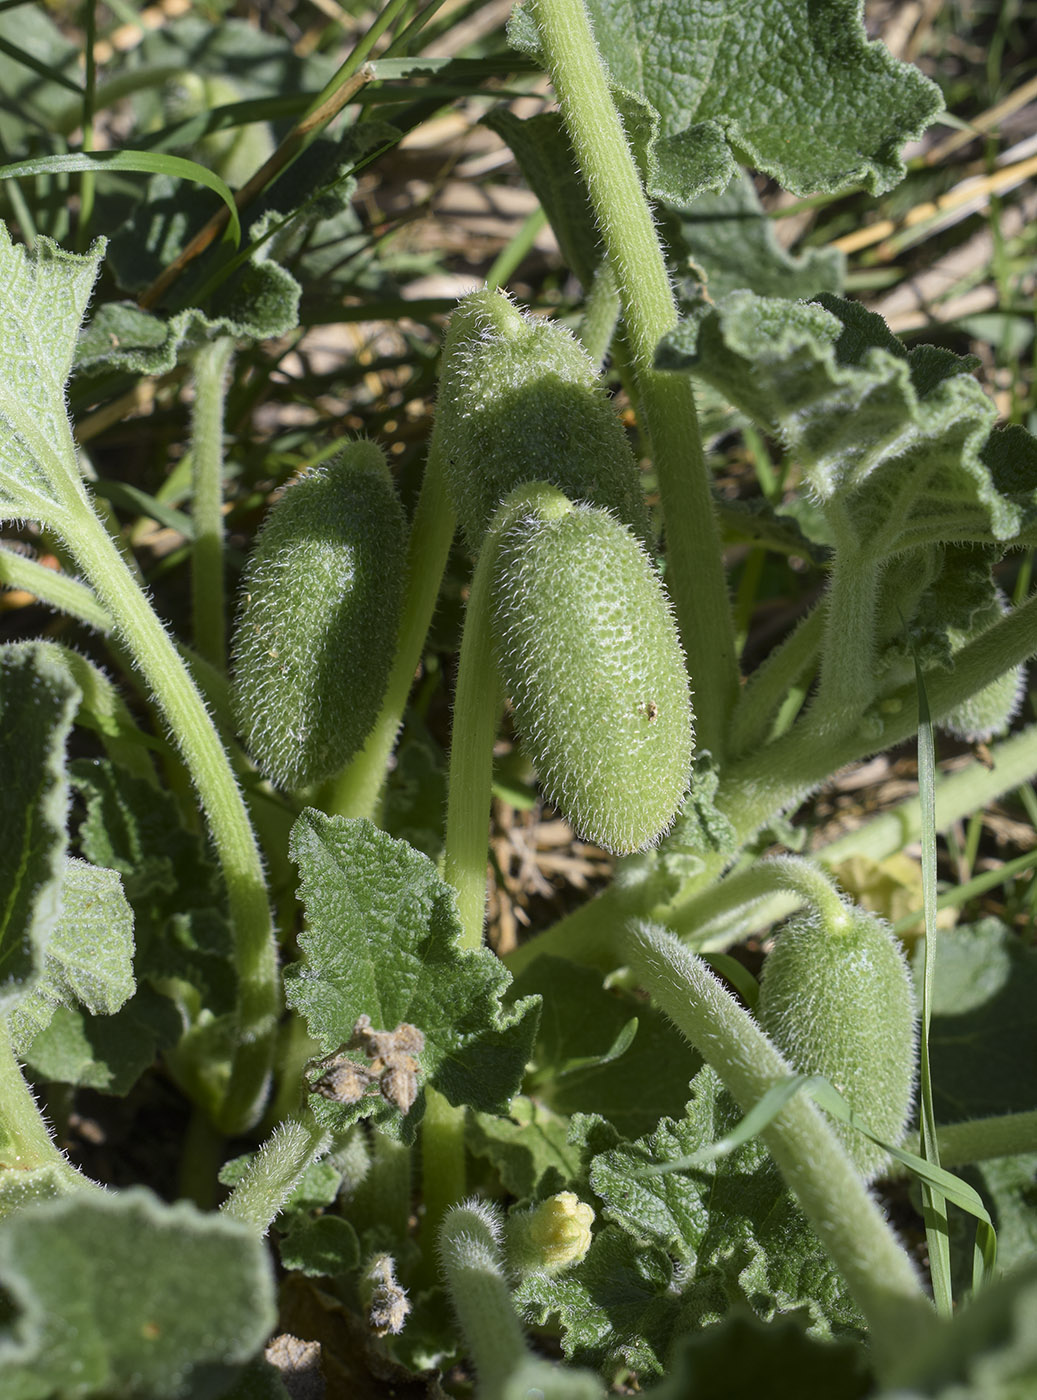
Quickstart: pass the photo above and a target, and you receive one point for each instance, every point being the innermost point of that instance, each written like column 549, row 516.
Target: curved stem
column 25, row 1143
column 255, row 952
column 355, row 792
column 804, row 881
column 878, row 1272
column 275, row 1171
column 473, row 1267
column 695, row 569
column 57, row 590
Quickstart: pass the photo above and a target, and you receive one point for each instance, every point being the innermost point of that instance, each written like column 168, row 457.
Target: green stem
column 473, row 1267
column 25, row 1143
column 255, row 951
column 57, row 590
column 695, row 569
column 200, row 1160
column 88, row 180
column 390, row 1184
column 275, row 1171
column 766, row 783
column 765, row 691
column 848, row 654
column 980, row 1140
column 442, row 1169
column 477, row 707
column 211, row 372
column 879, row 1274
column 355, row 792
column 728, row 903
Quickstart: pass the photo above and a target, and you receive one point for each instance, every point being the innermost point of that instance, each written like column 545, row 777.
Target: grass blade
column 140, row 162
column 934, row 1204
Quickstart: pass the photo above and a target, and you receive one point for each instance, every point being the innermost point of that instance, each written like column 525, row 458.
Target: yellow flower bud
column 560, row 1230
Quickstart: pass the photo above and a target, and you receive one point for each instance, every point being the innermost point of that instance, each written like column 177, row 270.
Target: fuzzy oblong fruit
column 590, row 655
column 316, row 628
column 838, row 1001
column 519, row 400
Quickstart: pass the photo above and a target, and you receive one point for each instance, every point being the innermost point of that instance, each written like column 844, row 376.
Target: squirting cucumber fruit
column 520, row 400
column 590, row 655
column 317, row 621
column 837, row 1001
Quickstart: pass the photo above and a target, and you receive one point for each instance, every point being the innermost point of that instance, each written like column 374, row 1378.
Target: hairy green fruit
column 838, row 1001
column 520, row 401
column 317, row 622
column 590, row 655
column 990, row 710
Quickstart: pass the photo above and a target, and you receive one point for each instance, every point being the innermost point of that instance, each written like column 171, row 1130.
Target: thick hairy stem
column 695, row 570
column 211, row 372
column 473, row 1268
column 275, row 1171
column 878, row 1272
column 848, row 654
column 255, row 951
column 25, row 1143
column 722, row 904
column 766, row 783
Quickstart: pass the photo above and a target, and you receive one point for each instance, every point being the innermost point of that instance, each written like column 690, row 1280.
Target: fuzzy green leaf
column 681, row 1249
column 528, row 1148
column 732, row 1222
column 42, row 300
column 727, row 241
column 381, row 941
column 322, row 1247
column 789, row 88
column 122, row 1297
column 579, row 1023
column 894, row 445
column 257, row 301
column 38, row 702
column 106, row 1053
column 172, row 885
column 89, row 959
column 619, row 1307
